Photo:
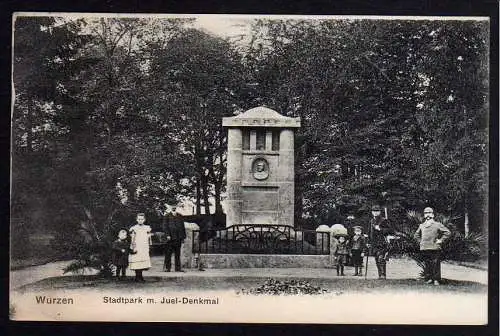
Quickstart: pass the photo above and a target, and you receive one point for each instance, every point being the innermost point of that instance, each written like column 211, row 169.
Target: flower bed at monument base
column 287, row 287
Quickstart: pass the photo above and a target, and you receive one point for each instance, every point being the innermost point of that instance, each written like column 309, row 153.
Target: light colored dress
column 140, row 238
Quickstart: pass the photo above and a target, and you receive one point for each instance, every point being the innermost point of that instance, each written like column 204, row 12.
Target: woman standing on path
column 139, row 259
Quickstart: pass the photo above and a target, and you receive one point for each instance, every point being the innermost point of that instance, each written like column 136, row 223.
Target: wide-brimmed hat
column 376, row 208
column 357, row 227
column 338, row 229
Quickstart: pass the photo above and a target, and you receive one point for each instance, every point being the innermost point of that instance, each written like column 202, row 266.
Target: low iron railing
column 261, row 239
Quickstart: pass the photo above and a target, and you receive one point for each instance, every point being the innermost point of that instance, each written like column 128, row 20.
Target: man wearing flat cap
column 379, row 242
column 431, row 234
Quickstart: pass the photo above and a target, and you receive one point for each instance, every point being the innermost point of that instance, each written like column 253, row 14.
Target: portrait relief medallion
column 260, row 169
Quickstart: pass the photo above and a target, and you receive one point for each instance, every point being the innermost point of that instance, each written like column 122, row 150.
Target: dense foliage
column 114, row 116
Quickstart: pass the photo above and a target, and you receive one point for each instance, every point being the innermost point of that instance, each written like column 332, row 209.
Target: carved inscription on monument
column 260, row 198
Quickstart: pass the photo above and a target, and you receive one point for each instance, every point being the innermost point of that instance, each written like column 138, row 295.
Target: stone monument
column 260, row 168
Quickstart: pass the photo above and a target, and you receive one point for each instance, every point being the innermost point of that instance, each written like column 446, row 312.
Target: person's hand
column 368, row 245
column 168, row 237
column 123, row 250
column 362, row 254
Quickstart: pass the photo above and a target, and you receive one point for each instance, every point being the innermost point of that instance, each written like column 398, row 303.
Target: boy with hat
column 341, row 253
column 358, row 248
column 431, row 234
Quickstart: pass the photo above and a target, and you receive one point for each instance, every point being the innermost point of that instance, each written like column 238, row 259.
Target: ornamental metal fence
column 261, row 239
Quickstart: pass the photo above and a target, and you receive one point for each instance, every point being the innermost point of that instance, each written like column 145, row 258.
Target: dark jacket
column 174, row 227
column 358, row 243
column 378, row 237
column 121, row 249
column 342, row 248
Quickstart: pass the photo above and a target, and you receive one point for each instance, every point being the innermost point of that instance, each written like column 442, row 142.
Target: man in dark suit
column 175, row 233
column 380, row 232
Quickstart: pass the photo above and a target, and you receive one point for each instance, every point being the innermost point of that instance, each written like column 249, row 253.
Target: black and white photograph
column 250, row 168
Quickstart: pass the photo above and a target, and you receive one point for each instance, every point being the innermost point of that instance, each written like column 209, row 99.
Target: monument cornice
column 259, row 152
column 261, row 117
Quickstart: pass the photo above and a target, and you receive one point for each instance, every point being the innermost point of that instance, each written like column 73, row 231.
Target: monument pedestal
column 260, row 168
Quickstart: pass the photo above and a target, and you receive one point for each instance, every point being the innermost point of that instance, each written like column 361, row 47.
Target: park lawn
column 155, row 284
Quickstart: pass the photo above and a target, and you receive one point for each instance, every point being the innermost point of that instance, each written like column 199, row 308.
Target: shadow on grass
column 192, row 283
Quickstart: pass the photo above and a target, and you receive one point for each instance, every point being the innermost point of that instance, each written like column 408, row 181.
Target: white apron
column 140, row 238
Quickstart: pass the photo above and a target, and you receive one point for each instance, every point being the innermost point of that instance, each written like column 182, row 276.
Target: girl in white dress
column 139, row 259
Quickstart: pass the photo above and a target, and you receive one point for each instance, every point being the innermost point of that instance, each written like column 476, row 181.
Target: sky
column 223, row 26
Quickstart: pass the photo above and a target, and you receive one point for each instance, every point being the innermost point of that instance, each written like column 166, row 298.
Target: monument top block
column 261, row 117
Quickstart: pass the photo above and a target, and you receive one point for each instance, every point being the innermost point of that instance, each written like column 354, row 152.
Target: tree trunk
column 466, row 223
column 205, row 191
column 29, row 131
column 219, row 179
column 198, row 196
column 298, row 208
column 217, row 191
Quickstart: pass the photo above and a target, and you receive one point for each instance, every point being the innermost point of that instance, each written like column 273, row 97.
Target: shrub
column 91, row 249
column 458, row 247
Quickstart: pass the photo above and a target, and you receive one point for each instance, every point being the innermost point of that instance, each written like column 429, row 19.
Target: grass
column 22, row 263
column 481, row 264
column 187, row 283
column 36, row 251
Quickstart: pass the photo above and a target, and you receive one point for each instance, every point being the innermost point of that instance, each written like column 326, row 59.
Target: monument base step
column 264, row 261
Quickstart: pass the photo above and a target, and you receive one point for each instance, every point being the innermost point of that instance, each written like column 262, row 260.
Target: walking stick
column 369, row 250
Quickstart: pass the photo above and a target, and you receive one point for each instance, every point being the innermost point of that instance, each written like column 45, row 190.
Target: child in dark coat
column 341, row 254
column 121, row 249
column 358, row 249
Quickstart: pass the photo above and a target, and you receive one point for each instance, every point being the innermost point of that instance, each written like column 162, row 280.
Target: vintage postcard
column 242, row 168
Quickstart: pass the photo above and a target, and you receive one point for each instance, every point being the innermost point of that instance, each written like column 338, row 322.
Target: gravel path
column 396, row 269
